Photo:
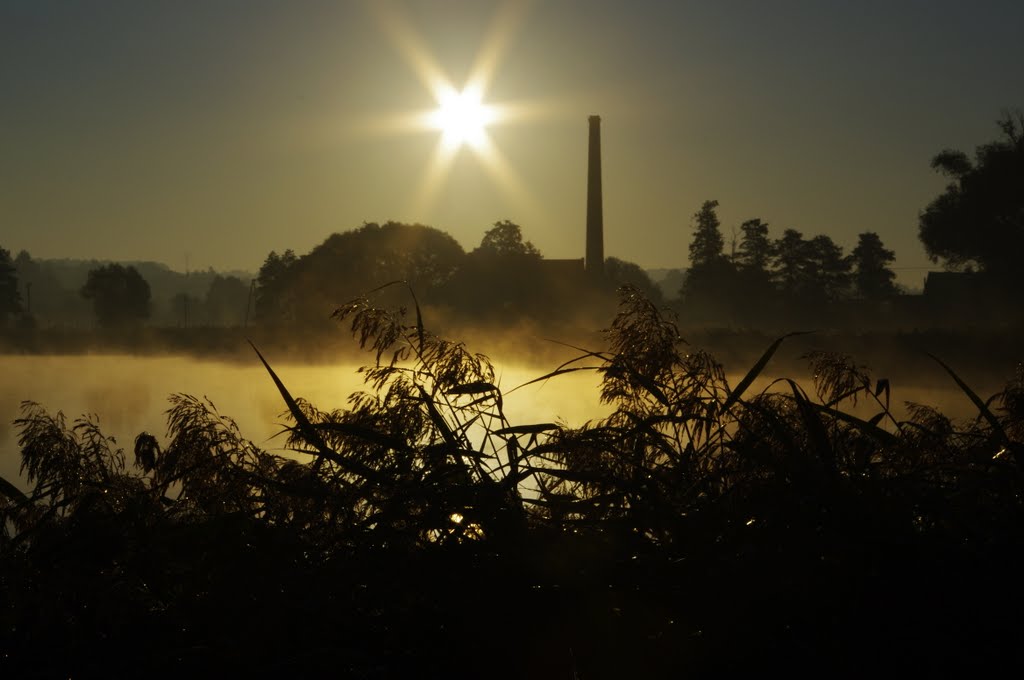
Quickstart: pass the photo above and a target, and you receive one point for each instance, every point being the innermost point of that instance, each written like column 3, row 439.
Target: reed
column 701, row 526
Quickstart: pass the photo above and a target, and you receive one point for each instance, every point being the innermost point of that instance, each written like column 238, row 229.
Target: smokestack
column 595, row 218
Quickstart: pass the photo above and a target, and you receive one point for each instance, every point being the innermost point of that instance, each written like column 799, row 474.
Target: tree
column 827, row 275
column 979, row 219
column 272, row 284
column 226, row 300
column 10, row 298
column 504, row 276
column 755, row 249
column 790, row 261
column 506, row 238
column 622, row 272
column 872, row 277
column 353, row 262
column 813, row 271
column 120, row 296
column 185, row 309
column 752, row 292
column 349, row 264
column 706, row 247
column 710, row 282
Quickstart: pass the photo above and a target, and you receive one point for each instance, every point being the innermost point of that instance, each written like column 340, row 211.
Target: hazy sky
column 219, row 130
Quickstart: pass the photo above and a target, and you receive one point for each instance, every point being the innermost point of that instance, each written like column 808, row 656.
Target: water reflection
column 129, row 394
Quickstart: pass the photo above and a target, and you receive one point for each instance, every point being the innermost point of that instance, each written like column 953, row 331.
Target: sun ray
column 462, row 116
column 408, row 42
column 506, row 23
column 505, row 176
column 437, row 169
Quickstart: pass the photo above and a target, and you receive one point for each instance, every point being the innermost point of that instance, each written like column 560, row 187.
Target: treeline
column 69, row 293
column 793, row 277
column 762, row 281
column 503, row 280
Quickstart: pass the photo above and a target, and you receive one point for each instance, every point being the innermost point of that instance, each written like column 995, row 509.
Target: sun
column 462, row 117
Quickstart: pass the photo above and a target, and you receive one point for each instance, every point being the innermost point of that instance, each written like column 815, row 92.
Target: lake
column 129, row 394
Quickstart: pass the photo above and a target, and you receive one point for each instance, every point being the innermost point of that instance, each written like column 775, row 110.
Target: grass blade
column 976, row 400
column 756, row 370
column 310, row 433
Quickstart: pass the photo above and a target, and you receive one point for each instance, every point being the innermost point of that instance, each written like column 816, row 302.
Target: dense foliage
column 979, row 219
column 702, row 528
column 10, row 298
column 792, row 279
column 873, row 278
column 119, row 295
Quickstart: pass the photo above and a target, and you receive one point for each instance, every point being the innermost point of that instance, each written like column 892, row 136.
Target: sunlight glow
column 462, row 118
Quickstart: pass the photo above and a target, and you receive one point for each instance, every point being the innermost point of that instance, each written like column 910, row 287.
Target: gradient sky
column 215, row 131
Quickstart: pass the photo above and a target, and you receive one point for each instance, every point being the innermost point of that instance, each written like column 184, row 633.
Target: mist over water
column 129, row 394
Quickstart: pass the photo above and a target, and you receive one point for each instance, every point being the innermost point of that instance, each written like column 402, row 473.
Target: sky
column 208, row 133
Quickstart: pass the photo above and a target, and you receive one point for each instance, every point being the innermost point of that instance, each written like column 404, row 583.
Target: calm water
column 129, row 394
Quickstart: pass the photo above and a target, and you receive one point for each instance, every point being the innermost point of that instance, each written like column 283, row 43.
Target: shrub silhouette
column 701, row 528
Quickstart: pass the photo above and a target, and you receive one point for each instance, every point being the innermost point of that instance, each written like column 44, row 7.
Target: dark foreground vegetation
column 702, row 529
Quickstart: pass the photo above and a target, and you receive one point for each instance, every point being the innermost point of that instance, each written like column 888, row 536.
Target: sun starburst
column 462, row 115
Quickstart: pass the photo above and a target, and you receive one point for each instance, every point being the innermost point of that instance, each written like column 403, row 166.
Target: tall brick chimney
column 595, row 218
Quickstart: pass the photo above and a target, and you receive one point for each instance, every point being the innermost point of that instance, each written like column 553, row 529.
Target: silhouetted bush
column 700, row 529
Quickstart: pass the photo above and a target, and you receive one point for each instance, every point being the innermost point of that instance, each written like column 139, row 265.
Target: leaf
column 651, row 387
column 756, row 369
column 981, row 406
column 527, row 429
column 361, row 432
column 310, row 433
column 869, row 427
column 12, row 492
column 478, row 387
column 554, row 373
column 815, row 428
column 438, row 420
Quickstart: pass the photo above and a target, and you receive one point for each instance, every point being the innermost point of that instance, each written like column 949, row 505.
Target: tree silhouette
column 186, row 309
column 271, row 287
column 622, row 272
column 506, row 238
column 10, row 298
column 827, row 272
column 119, row 294
column 755, row 249
column 979, row 218
column 351, row 263
column 710, row 282
column 225, row 301
column 502, row 277
column 752, row 292
column 810, row 271
column 790, row 262
column 707, row 244
column 872, row 277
